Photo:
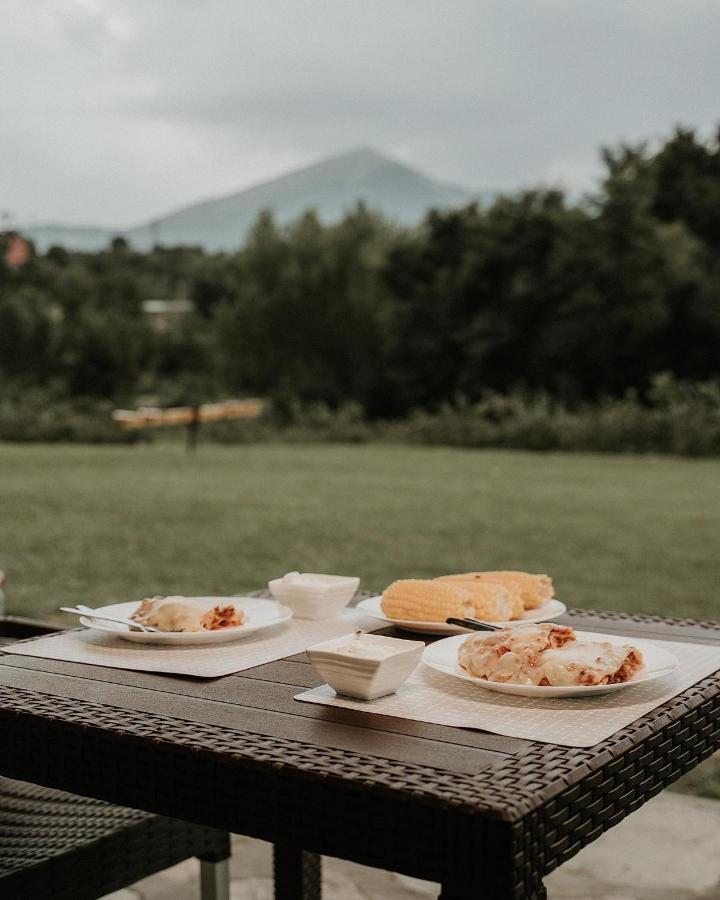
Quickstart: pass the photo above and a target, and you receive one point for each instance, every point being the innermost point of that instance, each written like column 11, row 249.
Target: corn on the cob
column 472, row 584
column 534, row 589
column 433, row 601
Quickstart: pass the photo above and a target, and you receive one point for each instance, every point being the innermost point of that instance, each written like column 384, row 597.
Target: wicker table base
column 297, row 873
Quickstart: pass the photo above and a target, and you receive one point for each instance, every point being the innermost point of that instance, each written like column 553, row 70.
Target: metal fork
column 474, row 624
column 80, row 610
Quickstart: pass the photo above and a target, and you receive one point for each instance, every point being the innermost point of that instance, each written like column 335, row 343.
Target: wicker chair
column 61, row 846
column 58, row 846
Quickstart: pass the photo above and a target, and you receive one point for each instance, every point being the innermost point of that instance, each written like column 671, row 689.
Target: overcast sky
column 114, row 111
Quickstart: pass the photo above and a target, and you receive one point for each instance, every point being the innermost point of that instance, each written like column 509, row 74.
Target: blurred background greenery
column 536, row 321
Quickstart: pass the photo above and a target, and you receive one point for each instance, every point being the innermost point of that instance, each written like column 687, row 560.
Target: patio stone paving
column 668, row 850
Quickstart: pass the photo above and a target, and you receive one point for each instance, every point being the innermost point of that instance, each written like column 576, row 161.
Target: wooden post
column 193, row 430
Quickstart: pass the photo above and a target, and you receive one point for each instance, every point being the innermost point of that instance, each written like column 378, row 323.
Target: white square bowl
column 361, row 676
column 313, row 596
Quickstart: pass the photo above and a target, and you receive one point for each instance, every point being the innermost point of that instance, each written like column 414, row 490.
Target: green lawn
column 101, row 524
column 97, row 524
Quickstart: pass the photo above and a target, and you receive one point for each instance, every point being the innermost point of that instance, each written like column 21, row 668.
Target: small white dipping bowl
column 313, row 596
column 366, row 666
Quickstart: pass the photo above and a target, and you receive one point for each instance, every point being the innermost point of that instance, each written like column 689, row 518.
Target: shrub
column 676, row 418
column 297, row 422
column 36, row 415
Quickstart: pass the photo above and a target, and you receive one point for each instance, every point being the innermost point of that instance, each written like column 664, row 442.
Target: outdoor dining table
column 487, row 816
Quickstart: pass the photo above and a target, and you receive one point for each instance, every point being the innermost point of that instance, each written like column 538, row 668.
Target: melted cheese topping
column 547, row 655
column 187, row 614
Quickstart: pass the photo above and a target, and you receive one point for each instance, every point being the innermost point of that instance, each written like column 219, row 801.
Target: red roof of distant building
column 17, row 252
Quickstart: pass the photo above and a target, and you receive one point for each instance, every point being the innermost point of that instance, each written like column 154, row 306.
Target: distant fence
column 154, row 417
column 190, row 416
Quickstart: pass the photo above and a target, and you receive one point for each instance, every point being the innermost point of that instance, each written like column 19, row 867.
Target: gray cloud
column 115, row 110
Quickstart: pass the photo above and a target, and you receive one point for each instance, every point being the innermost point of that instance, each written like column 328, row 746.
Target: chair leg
column 214, row 880
column 297, row 873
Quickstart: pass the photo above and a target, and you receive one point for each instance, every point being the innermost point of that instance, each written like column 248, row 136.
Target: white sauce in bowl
column 364, row 646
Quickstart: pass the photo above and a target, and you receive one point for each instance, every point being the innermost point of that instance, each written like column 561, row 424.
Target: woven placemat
column 431, row 696
column 205, row 661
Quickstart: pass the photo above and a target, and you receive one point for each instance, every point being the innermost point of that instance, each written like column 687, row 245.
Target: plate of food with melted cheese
column 546, row 660
column 191, row 620
column 503, row 598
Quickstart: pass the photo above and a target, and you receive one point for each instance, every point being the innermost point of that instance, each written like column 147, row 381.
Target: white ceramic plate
column 259, row 614
column 442, row 656
column 550, row 610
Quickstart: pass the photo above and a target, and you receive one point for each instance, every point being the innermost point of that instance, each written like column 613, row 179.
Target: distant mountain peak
column 357, row 158
column 331, row 186
column 363, row 153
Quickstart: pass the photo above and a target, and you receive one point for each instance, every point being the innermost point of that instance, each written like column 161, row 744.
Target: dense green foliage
column 565, row 303
column 676, row 417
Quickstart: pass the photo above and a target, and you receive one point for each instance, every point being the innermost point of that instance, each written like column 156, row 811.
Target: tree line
column 578, row 299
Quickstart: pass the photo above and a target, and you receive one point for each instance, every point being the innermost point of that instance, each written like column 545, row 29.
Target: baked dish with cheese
column 187, row 614
column 547, row 655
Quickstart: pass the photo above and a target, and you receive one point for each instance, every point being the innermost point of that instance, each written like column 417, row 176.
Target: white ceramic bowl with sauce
column 366, row 666
column 313, row 596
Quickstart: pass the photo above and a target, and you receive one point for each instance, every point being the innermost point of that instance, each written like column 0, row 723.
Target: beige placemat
column 431, row 696
column 209, row 661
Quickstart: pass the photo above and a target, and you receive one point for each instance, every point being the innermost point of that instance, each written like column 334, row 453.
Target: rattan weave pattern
column 66, row 847
column 559, row 799
column 255, row 751
column 509, row 788
column 59, row 845
column 633, row 766
column 644, row 618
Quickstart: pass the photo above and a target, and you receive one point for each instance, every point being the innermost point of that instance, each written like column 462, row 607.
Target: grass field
column 96, row 524
column 101, row 524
